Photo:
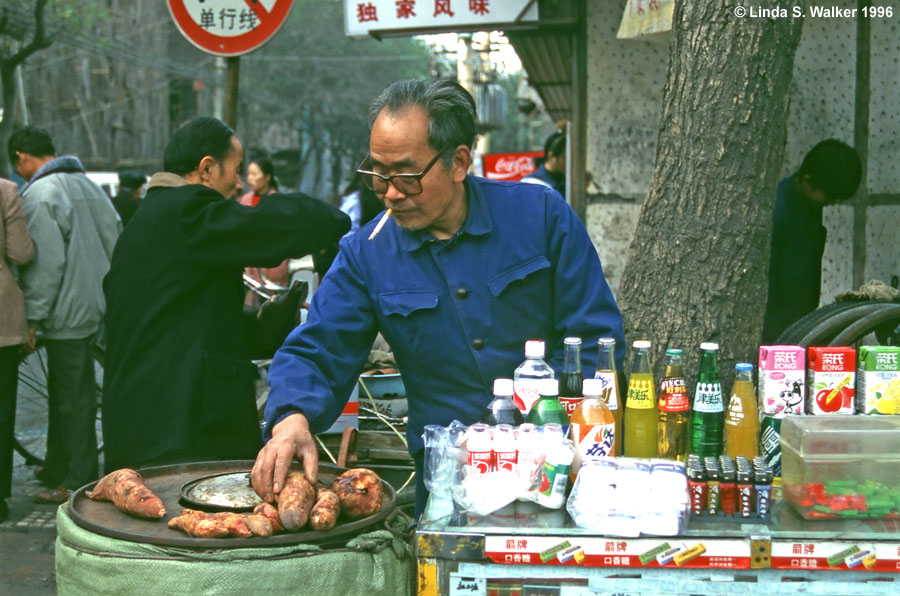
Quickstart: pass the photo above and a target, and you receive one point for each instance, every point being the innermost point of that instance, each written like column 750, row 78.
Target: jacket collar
column 166, row 180
column 478, row 220
column 62, row 164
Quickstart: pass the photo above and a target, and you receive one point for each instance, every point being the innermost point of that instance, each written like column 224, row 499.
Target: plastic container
column 841, row 467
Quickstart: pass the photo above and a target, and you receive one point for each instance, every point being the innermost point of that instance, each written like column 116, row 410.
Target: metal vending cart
column 526, row 550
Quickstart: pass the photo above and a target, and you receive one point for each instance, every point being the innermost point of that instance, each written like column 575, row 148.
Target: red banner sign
column 510, row 166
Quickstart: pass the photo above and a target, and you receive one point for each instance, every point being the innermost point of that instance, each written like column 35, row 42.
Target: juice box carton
column 831, row 376
column 782, row 380
column 879, row 380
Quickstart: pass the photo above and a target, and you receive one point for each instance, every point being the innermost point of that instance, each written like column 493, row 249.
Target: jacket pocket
column 406, row 303
column 227, row 399
column 515, row 273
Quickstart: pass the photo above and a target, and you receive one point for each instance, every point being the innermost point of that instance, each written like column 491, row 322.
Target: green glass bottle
column 547, row 409
column 707, row 411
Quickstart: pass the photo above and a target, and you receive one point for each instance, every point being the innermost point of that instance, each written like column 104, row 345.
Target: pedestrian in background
column 16, row 249
column 74, row 227
column 128, row 198
column 552, row 171
column 262, row 182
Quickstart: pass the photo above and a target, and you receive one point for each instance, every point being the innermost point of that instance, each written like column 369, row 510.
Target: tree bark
column 697, row 267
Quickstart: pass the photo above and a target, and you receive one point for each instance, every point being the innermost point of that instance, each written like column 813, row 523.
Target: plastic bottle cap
column 534, row 348
column 503, row 387
column 709, row 346
column 743, row 366
column 572, row 341
column 641, row 344
column 592, row 387
column 549, row 387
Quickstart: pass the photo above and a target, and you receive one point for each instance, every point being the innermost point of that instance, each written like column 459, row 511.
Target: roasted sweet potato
column 127, row 491
column 268, row 511
column 200, row 524
column 258, row 524
column 295, row 501
column 325, row 512
column 359, row 491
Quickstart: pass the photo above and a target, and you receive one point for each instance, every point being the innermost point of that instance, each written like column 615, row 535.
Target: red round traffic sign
column 229, row 27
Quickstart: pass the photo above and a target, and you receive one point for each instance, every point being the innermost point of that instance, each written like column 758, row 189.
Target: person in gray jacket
column 74, row 227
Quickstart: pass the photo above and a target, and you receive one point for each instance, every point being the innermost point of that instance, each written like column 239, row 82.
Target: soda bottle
column 593, row 428
column 674, row 410
column 606, row 372
column 547, row 409
column 528, row 375
column 742, row 420
column 708, row 413
column 641, row 415
column 570, row 379
column 502, row 409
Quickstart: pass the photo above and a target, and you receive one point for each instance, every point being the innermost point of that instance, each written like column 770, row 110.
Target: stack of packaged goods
column 729, row 488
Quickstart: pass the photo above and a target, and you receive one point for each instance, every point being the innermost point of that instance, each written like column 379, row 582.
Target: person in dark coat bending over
column 178, row 382
column 830, row 172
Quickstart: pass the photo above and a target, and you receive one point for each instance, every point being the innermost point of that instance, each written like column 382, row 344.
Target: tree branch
column 38, row 42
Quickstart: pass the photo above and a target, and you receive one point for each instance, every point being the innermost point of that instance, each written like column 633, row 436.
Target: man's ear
column 462, row 160
column 204, row 170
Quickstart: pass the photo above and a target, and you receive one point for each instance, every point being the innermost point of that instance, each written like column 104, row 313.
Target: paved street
column 27, row 539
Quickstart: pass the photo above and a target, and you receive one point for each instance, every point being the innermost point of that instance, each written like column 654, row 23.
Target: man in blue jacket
column 464, row 272
column 830, row 172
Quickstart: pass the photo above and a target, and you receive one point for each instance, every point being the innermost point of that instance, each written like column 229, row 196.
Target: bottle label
column 527, row 392
column 505, row 460
column 639, row 396
column 570, row 404
column 591, row 441
column 708, row 398
column 735, row 411
column 609, row 382
column 481, row 461
column 673, row 396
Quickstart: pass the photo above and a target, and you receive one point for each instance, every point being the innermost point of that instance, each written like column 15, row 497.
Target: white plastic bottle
column 527, row 377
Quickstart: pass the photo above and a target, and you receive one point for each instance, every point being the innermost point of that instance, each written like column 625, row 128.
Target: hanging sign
column 411, row 17
column 229, row 27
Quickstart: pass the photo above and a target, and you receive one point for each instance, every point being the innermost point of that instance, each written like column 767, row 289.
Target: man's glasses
column 408, row 184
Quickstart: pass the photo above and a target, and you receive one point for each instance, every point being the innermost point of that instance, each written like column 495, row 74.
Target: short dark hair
column 31, row 140
column 450, row 109
column 555, row 144
column 265, row 164
column 201, row 136
column 131, row 179
column 834, row 168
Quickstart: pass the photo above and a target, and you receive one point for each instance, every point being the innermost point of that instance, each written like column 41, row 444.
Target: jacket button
column 462, row 293
column 478, row 343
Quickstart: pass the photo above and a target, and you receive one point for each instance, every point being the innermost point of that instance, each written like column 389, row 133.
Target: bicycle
column 32, row 405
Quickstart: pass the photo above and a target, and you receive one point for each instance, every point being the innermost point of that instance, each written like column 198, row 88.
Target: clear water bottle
column 502, row 409
column 528, row 376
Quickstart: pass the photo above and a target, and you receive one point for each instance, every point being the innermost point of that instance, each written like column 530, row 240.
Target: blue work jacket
column 456, row 312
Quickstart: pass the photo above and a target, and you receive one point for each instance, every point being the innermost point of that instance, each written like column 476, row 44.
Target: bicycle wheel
column 30, row 435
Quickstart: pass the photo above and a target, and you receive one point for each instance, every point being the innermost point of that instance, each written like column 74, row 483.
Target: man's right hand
column 290, row 437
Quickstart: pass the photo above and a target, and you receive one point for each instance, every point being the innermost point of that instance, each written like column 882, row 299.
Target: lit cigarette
column 380, row 224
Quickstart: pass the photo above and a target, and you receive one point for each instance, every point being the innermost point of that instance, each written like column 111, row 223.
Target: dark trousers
column 71, row 434
column 9, row 360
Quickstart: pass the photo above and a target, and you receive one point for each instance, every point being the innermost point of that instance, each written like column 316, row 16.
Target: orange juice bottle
column 742, row 419
column 592, row 427
column 641, row 414
column 606, row 372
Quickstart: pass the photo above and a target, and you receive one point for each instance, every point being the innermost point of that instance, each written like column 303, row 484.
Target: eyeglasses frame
column 390, row 179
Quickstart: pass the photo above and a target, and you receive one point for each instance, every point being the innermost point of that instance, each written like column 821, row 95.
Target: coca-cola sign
column 510, row 166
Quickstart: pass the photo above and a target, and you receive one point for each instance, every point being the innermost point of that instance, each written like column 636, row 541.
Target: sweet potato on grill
column 200, row 524
column 127, row 491
column 295, row 501
column 359, row 491
column 268, row 511
column 258, row 524
column 325, row 512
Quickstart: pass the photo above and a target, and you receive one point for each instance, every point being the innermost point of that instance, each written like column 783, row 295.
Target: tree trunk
column 697, row 268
